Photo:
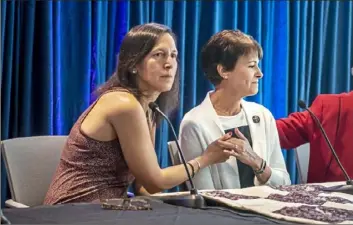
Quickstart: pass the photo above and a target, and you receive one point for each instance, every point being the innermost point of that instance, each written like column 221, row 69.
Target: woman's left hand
column 244, row 152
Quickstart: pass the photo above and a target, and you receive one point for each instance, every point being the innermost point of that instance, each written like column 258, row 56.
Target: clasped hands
column 243, row 151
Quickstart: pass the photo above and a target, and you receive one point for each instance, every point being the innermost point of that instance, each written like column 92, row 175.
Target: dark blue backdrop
column 54, row 54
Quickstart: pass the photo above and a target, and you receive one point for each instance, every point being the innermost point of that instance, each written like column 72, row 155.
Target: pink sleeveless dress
column 89, row 170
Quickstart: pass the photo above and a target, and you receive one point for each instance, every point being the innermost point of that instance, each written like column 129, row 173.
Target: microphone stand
column 192, row 199
column 4, row 220
column 348, row 187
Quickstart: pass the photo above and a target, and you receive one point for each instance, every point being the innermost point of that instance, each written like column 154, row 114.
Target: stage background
column 54, row 54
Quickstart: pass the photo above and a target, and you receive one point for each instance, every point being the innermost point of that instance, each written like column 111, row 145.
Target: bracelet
column 262, row 168
column 192, row 169
column 198, row 165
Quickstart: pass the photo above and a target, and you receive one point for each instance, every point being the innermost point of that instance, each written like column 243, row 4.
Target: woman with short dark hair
column 112, row 142
column 230, row 62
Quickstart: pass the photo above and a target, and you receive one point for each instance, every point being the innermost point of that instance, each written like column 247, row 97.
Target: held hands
column 243, row 151
column 218, row 151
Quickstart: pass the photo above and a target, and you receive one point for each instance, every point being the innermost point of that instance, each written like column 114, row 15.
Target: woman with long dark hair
column 112, row 142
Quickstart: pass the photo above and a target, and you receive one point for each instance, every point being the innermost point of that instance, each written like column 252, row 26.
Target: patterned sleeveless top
column 89, row 170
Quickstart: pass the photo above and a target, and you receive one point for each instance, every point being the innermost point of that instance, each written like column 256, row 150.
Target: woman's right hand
column 219, row 151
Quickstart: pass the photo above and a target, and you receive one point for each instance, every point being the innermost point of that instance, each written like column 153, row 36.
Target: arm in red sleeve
column 299, row 127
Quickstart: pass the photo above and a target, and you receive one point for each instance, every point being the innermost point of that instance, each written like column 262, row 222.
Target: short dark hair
column 225, row 48
column 136, row 45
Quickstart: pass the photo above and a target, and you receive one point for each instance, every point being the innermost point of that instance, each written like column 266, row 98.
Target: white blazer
column 201, row 126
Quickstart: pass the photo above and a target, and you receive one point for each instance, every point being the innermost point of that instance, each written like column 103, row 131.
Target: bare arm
column 274, row 171
column 129, row 121
column 246, row 154
column 139, row 189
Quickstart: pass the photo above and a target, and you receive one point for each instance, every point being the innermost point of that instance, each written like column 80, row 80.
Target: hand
column 217, row 151
column 243, row 151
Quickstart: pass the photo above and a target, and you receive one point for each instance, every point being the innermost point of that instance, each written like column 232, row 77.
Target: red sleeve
column 299, row 127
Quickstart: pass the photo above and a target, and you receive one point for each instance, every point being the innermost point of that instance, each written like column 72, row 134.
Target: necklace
column 224, row 113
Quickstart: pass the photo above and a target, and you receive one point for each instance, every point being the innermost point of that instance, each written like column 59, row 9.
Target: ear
column 133, row 71
column 222, row 72
column 139, row 68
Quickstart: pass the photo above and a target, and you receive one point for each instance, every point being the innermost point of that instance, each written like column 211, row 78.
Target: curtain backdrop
column 54, row 54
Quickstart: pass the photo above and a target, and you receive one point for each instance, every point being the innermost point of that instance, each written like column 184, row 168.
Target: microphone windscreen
column 302, row 104
column 153, row 106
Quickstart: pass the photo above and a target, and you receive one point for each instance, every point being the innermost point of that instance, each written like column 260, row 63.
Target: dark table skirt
column 160, row 214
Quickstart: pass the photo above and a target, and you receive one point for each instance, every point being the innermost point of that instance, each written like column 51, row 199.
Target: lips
column 167, row 76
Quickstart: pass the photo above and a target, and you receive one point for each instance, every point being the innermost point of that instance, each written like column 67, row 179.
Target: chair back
column 30, row 163
column 302, row 155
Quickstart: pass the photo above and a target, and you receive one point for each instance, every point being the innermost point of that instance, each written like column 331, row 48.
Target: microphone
column 341, row 188
column 4, row 220
column 192, row 200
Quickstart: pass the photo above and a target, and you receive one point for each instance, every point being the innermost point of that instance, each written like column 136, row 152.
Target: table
column 228, row 212
column 161, row 214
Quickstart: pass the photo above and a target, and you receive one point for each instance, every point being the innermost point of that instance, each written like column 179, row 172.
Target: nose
column 169, row 63
column 259, row 74
column 168, row 66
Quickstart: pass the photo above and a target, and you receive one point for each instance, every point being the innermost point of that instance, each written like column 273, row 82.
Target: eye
column 252, row 66
column 174, row 55
column 158, row 54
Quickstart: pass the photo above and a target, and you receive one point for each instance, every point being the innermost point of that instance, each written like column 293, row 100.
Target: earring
column 134, row 71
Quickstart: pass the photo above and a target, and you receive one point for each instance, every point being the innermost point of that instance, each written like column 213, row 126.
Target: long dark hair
column 136, row 45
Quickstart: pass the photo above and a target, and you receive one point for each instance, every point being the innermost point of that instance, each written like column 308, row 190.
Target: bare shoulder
column 121, row 103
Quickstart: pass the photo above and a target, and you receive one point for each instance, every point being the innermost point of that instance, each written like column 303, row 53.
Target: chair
column 176, row 160
column 302, row 155
column 31, row 163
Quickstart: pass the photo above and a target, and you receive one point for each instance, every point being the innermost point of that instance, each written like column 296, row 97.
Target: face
column 244, row 78
column 157, row 71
